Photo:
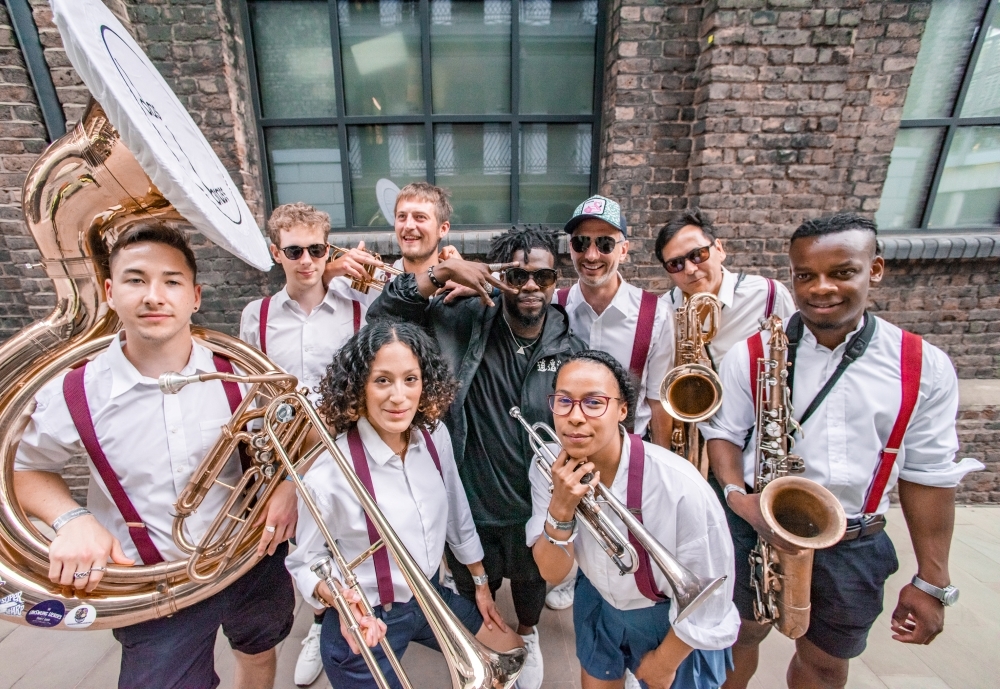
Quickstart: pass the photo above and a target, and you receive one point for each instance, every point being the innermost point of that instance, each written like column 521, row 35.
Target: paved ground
column 965, row 656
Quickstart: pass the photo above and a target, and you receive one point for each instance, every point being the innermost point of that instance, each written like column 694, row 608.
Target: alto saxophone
column 800, row 511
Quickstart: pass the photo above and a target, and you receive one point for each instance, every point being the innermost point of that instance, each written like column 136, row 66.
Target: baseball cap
column 601, row 208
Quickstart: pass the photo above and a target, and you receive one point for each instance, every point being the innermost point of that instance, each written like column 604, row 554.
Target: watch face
column 950, row 596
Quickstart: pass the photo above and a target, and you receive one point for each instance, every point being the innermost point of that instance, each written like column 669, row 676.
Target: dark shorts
column 505, row 556
column 405, row 623
column 608, row 640
column 255, row 614
column 848, row 583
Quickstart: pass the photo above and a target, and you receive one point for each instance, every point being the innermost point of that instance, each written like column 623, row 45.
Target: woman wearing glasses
column 625, row 622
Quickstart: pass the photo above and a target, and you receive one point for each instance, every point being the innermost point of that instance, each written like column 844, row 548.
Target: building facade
column 761, row 112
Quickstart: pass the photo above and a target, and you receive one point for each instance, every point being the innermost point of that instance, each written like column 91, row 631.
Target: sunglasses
column 294, row 253
column 592, row 406
column 696, row 256
column 605, row 245
column 518, row 277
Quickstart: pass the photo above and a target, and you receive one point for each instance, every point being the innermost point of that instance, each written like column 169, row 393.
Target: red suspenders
column 79, row 410
column 265, row 306
column 769, row 306
column 381, row 557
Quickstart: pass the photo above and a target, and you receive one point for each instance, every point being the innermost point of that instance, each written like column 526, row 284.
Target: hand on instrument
column 488, row 608
column 372, row 629
column 748, row 507
column 78, row 555
column 568, row 488
column 918, row 617
column 475, row 276
column 352, row 264
column 279, row 518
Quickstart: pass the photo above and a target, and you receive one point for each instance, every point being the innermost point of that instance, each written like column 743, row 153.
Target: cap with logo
column 601, row 208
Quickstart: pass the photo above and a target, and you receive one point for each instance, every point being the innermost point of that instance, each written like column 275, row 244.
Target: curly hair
column 342, row 390
column 289, row 215
column 628, row 390
column 503, row 247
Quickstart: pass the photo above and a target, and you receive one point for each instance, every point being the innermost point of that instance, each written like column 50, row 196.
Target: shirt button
column 173, row 430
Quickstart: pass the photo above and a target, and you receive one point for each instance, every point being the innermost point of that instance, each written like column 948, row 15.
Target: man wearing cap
column 611, row 315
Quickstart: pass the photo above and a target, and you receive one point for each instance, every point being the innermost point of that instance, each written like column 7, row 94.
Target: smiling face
column 581, row 435
column 417, row 229
column 393, row 390
column 152, row 290
column 831, row 276
column 704, row 277
column 306, row 272
column 528, row 306
column 593, row 267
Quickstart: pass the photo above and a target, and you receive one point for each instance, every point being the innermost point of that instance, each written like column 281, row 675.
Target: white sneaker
column 534, row 669
column 448, row 581
column 309, row 665
column 561, row 596
column 630, row 681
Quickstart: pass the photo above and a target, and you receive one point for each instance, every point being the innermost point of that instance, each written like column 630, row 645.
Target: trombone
column 375, row 276
column 689, row 590
column 470, row 663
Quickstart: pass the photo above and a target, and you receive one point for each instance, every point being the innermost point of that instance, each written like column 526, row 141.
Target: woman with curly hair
column 384, row 394
column 627, row 623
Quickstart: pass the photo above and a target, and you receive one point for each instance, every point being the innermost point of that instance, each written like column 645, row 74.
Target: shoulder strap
column 771, row 293
column 432, row 448
column 380, row 558
column 562, row 295
column 234, row 396
column 633, row 501
column 643, row 334
column 356, row 305
column 911, row 364
column 265, row 306
column 79, row 410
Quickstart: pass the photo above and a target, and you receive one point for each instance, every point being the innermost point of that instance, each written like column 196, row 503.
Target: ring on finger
column 81, row 575
column 98, row 569
column 270, row 529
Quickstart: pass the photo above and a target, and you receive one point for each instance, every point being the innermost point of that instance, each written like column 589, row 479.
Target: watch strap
column 481, row 579
column 732, row 488
column 556, row 524
column 942, row 594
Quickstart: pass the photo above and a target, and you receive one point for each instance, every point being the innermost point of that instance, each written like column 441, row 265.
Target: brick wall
column 979, row 433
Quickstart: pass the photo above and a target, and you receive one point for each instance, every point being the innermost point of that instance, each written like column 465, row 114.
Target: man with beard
column 877, row 408
column 504, row 347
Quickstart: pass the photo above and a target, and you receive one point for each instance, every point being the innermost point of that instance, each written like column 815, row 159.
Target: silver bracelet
column 556, row 524
column 67, row 517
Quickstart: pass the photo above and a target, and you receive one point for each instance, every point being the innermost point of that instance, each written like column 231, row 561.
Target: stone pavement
column 965, row 656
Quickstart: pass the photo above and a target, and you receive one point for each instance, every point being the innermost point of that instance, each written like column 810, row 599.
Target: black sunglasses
column 696, row 256
column 518, row 277
column 605, row 244
column 294, row 253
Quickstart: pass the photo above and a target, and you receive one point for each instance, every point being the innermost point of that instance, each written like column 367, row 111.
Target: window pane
column 304, row 163
column 944, row 52
column 291, row 41
column 555, row 171
column 380, row 45
column 396, row 152
column 983, row 98
column 473, row 161
column 969, row 192
column 910, row 171
column 470, row 56
column 557, row 56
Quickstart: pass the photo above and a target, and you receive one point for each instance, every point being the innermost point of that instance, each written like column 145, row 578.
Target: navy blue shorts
column 848, row 583
column 405, row 622
column 608, row 640
column 255, row 614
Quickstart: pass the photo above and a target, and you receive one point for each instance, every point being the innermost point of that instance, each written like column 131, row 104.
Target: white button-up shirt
column 744, row 299
column 614, row 331
column 424, row 510
column 304, row 344
column 152, row 441
column 682, row 513
column 842, row 440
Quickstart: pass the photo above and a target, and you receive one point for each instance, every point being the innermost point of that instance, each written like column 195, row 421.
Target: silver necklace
column 520, row 347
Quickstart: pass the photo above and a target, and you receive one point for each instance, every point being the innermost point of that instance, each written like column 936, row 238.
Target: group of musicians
column 417, row 384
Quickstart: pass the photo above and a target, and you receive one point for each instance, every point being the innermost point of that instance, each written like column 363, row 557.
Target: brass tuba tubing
column 688, row 589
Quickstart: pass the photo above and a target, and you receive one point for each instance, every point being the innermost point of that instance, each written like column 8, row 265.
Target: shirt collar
column 626, row 299
column 810, row 339
column 125, row 376
column 338, row 288
column 727, row 290
column 375, row 446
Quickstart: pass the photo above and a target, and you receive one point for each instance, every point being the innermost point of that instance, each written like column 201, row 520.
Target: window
column 945, row 168
column 497, row 100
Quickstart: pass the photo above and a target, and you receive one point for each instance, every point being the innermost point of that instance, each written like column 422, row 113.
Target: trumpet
column 375, row 276
column 688, row 589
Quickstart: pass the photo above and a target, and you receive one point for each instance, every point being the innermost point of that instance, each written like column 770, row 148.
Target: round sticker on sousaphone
column 157, row 129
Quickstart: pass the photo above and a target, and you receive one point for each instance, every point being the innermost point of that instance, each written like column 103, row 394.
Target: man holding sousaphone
column 876, row 406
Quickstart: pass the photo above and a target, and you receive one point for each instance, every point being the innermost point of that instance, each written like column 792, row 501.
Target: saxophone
column 691, row 392
column 799, row 510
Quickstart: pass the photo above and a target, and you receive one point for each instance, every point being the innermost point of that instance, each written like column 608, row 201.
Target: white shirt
column 743, row 304
column 153, row 441
column 304, row 344
column 423, row 510
column 683, row 514
column 841, row 441
column 614, row 331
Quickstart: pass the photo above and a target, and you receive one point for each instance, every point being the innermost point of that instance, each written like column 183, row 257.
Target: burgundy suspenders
column 769, row 306
column 633, row 500
column 265, row 306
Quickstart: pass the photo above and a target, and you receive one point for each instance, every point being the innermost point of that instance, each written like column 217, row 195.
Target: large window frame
column 428, row 119
column 951, row 125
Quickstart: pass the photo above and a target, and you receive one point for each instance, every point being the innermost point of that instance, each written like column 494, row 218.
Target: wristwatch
column 947, row 595
column 732, row 488
column 481, row 579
